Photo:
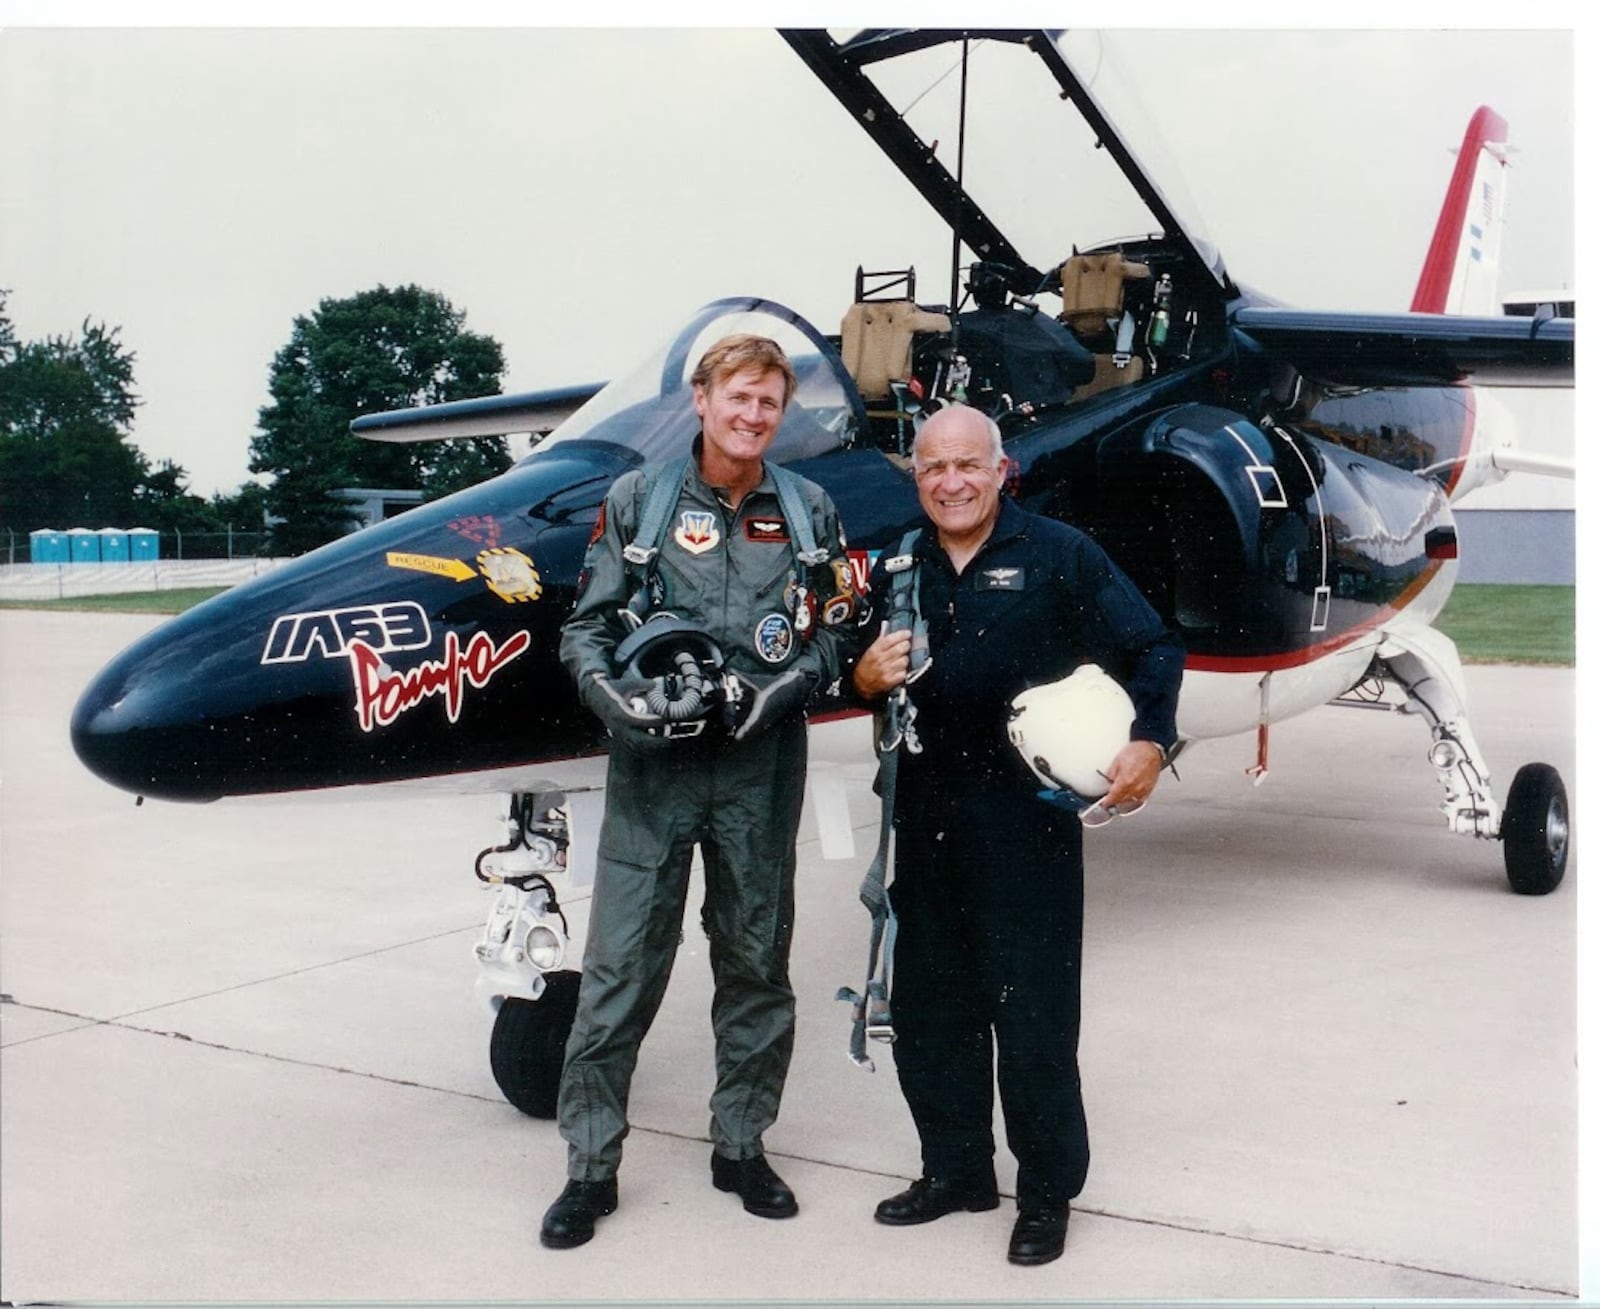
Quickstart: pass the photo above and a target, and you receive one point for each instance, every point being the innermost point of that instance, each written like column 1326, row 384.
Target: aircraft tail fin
column 1462, row 271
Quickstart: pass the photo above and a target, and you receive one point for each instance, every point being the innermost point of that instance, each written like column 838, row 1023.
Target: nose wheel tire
column 529, row 1042
column 1535, row 830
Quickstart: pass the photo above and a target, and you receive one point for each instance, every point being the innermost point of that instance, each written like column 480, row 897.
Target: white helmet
column 1068, row 732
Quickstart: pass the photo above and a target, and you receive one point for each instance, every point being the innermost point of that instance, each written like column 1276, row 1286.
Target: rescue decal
column 382, row 694
column 697, row 531
column 455, row 569
column 1002, row 579
column 510, row 574
column 480, row 529
column 329, row 633
column 774, row 638
column 766, row 529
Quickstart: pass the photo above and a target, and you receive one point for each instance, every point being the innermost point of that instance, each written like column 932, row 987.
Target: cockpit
column 1125, row 316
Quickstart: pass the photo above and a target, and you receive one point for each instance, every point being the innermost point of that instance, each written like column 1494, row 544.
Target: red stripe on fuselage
column 1267, row 663
column 1469, row 429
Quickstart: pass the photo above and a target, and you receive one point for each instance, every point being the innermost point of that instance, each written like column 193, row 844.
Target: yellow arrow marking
column 452, row 568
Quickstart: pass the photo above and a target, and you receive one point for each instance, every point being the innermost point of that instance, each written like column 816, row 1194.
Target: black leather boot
column 1040, row 1234
column 570, row 1220
column 764, row 1193
column 934, row 1197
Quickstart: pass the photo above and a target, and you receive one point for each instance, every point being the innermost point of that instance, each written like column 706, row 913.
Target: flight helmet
column 1068, row 732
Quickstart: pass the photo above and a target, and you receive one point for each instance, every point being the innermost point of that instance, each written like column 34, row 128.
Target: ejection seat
column 1092, row 307
column 876, row 340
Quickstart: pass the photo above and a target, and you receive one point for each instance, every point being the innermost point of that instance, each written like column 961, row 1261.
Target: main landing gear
column 520, row 956
column 1534, row 829
column 1534, row 824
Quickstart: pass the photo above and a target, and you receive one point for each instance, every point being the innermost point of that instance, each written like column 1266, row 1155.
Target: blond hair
column 733, row 354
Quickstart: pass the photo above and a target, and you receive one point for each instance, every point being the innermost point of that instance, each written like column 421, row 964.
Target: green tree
column 377, row 350
column 66, row 404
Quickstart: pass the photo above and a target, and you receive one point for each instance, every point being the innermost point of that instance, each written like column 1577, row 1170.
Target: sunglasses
column 1091, row 813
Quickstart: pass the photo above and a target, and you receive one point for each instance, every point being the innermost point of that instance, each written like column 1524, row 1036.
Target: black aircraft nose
column 127, row 758
column 422, row 646
column 143, row 723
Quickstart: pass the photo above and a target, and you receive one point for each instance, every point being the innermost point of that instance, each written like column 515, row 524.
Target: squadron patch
column 844, row 576
column 842, row 607
column 510, row 574
column 697, row 531
column 766, row 529
column 838, row 610
column 774, row 638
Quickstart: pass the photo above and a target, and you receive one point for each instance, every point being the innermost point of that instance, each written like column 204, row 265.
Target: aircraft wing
column 491, row 415
column 1414, row 349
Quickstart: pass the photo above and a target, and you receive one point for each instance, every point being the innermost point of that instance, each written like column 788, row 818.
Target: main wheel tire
column 1534, row 829
column 529, row 1042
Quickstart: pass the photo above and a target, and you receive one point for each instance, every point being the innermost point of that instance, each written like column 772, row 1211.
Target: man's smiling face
column 958, row 475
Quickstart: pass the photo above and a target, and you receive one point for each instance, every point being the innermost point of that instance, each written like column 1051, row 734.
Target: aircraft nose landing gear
column 520, row 954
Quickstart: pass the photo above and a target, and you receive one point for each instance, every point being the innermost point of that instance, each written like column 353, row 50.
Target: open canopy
column 947, row 107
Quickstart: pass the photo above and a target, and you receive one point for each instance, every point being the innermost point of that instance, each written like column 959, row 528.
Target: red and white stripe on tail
column 1462, row 271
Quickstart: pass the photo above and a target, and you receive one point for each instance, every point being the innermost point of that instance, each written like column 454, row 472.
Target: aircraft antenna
column 955, row 229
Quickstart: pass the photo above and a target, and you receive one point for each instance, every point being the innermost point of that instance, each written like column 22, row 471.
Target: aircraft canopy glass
column 651, row 410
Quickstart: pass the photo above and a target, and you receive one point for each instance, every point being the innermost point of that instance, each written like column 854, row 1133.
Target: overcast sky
column 579, row 192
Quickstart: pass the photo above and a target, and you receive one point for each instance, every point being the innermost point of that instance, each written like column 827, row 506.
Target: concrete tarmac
column 1326, row 1051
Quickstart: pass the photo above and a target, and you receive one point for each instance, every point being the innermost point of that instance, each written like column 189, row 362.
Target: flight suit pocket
column 686, row 585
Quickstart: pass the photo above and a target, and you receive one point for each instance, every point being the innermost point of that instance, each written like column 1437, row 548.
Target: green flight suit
column 735, row 573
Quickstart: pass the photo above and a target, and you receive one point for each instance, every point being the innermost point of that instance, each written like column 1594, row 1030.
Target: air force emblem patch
column 697, row 531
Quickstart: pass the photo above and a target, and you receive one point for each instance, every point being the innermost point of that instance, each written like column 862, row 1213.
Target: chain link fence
column 182, row 559
column 231, row 543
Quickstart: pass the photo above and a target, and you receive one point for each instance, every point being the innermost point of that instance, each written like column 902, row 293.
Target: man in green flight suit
column 778, row 600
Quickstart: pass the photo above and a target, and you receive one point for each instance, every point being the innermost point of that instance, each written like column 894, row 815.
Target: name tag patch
column 1002, row 579
column 766, row 529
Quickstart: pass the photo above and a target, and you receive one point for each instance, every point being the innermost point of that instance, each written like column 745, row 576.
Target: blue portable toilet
column 48, row 546
column 113, row 545
column 85, row 546
column 144, row 544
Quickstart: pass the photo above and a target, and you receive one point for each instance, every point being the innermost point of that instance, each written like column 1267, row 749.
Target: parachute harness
column 870, row 1012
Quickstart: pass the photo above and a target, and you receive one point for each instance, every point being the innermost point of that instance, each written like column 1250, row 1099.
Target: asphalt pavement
column 1327, row 1052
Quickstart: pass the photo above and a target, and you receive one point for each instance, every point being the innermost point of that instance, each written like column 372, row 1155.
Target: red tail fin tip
column 1461, row 271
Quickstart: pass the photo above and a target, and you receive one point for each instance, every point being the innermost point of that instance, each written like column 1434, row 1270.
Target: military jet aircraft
column 1278, row 482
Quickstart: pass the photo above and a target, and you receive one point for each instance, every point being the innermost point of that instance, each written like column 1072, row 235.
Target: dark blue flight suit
column 988, row 879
